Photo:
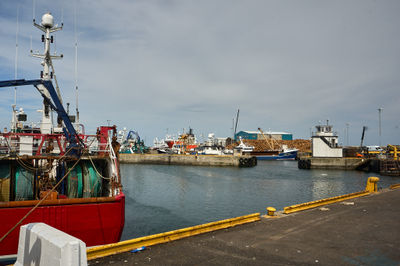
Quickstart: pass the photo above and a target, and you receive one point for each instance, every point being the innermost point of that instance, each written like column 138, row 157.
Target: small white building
column 325, row 142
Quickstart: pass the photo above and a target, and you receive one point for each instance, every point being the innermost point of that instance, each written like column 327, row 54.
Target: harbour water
column 161, row 198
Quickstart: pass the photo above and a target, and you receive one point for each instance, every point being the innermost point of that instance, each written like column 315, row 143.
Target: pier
column 356, row 231
column 341, row 163
column 388, row 167
column 194, row 160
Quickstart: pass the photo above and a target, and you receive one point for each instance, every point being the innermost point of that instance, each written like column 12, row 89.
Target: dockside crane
column 269, row 140
column 237, row 119
column 362, row 151
column 362, row 136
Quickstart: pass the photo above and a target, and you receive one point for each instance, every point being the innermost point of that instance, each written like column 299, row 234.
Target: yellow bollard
column 372, row 184
column 271, row 211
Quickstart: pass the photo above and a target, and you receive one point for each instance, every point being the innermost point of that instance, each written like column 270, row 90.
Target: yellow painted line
column 395, row 186
column 317, row 203
column 124, row 246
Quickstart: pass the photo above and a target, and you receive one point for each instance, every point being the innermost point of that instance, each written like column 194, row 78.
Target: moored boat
column 286, row 154
column 57, row 174
column 243, row 148
column 131, row 143
column 185, row 144
column 283, row 153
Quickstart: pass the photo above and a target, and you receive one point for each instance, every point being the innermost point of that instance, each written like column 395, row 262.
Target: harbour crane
column 362, row 136
column 270, row 141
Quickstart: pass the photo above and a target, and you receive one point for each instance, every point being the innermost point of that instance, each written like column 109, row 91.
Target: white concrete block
column 41, row 244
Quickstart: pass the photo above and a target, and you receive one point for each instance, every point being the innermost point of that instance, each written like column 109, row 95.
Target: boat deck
column 361, row 231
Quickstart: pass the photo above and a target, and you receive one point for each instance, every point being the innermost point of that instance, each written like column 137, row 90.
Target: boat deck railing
column 40, row 144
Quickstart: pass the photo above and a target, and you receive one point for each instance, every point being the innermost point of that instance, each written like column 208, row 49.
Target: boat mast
column 16, row 57
column 76, row 68
column 14, row 114
column 47, row 26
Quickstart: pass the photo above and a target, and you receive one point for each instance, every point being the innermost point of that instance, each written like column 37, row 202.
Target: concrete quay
column 358, row 231
column 196, row 160
column 345, row 163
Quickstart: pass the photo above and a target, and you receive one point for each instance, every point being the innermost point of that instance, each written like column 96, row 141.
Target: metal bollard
column 372, row 184
column 271, row 211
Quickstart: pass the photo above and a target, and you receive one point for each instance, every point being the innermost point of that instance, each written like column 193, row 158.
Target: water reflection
column 160, row 198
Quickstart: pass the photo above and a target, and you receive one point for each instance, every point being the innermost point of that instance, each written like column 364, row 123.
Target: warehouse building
column 257, row 135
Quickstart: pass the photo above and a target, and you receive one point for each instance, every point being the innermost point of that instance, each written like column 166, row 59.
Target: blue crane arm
column 69, row 131
column 133, row 133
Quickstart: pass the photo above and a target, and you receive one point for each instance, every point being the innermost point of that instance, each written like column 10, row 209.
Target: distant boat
column 212, row 147
column 132, row 143
column 186, row 143
column 286, row 154
column 243, row 147
column 170, row 141
column 211, row 150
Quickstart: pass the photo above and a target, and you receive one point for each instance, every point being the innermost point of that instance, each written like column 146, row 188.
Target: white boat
column 243, row 147
column 211, row 150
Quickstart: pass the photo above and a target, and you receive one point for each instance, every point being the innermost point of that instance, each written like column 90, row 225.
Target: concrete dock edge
column 371, row 187
column 128, row 245
column 193, row 160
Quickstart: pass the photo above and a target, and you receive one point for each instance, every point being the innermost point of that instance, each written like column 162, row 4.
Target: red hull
column 95, row 223
column 170, row 143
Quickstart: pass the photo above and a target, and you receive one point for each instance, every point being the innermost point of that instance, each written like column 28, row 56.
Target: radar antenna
column 47, row 26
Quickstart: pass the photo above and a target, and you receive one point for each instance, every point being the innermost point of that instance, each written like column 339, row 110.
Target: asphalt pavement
column 360, row 231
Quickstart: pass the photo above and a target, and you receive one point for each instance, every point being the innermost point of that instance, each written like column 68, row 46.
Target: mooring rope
column 106, row 178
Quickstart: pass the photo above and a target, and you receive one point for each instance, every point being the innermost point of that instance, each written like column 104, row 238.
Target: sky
column 160, row 67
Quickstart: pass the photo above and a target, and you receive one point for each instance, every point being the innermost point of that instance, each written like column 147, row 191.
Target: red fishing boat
column 55, row 173
column 185, row 143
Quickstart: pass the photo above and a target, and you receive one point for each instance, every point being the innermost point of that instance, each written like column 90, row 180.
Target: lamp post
column 347, row 133
column 380, row 124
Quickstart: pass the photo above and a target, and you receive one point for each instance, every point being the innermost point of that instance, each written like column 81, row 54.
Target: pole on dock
column 380, row 129
column 237, row 119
